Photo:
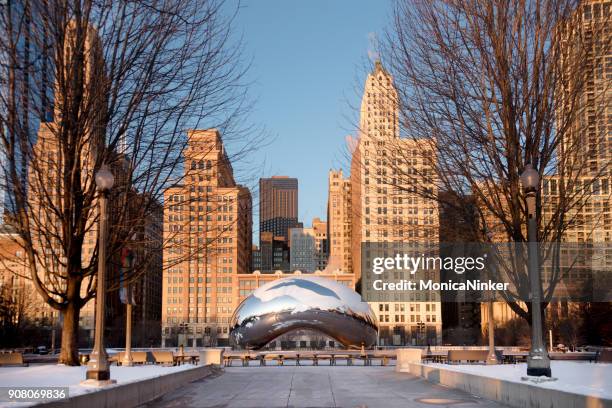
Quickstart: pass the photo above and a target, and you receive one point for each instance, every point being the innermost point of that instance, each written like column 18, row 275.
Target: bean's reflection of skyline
column 309, row 302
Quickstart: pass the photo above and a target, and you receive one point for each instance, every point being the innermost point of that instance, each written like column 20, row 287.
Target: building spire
column 378, row 65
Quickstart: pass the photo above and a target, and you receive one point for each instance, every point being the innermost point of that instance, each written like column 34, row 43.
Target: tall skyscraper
column 384, row 213
column 45, row 193
column 46, row 168
column 586, row 150
column 208, row 223
column 583, row 183
column 278, row 205
column 339, row 214
column 24, row 68
column 585, row 40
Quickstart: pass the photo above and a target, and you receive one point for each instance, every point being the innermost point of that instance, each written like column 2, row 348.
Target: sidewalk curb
column 513, row 394
column 132, row 394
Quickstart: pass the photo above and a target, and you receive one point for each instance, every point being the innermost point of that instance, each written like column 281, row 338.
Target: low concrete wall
column 212, row 356
column 406, row 356
column 132, row 394
column 518, row 395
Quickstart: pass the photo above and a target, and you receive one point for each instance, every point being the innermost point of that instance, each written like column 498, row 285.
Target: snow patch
column 572, row 376
column 50, row 375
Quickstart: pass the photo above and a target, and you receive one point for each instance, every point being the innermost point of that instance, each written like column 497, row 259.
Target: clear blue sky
column 308, row 61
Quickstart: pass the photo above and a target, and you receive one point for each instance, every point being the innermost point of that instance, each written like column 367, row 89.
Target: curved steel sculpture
column 304, row 302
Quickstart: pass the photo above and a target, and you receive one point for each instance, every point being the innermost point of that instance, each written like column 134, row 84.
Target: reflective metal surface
column 304, row 302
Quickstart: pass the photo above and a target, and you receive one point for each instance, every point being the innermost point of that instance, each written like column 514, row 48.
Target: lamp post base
column 98, row 375
column 127, row 362
column 538, row 363
column 492, row 359
column 539, row 371
column 97, row 383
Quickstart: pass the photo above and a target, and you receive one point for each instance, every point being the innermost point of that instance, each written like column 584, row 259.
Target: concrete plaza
column 322, row 386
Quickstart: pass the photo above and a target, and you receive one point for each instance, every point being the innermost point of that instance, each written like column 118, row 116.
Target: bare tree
column 487, row 87
column 116, row 83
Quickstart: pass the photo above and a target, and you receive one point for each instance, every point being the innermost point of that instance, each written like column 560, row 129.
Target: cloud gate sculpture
column 304, row 302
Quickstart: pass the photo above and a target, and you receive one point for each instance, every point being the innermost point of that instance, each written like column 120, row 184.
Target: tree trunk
column 69, row 354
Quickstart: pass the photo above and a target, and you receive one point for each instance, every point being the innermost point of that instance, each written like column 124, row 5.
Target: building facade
column 247, row 283
column 17, row 291
column 583, row 184
column 273, row 253
column 339, row 214
column 278, row 205
column 46, row 197
column 383, row 211
column 308, row 247
column 302, row 250
column 207, row 231
column 319, row 230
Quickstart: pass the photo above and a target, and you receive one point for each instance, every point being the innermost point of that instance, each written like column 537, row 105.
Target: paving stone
column 317, row 387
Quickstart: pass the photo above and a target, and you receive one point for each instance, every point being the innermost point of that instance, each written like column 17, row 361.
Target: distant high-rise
column 303, row 250
column 208, row 225
column 308, row 247
column 319, row 229
column 339, row 222
column 273, row 253
column 278, row 205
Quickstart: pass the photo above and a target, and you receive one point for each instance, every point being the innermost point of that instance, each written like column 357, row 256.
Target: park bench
column 138, row 357
column 469, row 356
column 305, row 356
column 347, row 357
column 604, row 356
column 324, row 357
column 586, row 356
column 366, row 357
column 230, row 357
column 292, row 357
column 12, row 359
column 247, row 357
column 164, row 357
column 271, row 357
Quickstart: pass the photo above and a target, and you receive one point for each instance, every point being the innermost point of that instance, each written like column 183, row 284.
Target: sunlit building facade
column 207, row 231
column 382, row 212
column 339, row 221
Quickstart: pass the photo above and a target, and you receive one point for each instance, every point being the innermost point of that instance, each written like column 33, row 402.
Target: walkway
column 323, row 386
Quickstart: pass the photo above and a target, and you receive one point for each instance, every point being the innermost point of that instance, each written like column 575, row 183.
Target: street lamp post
column 98, row 371
column 538, row 363
column 127, row 297
column 127, row 357
column 491, row 357
column 53, row 333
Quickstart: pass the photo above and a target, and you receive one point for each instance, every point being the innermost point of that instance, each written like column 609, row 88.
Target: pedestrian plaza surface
column 322, row 386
